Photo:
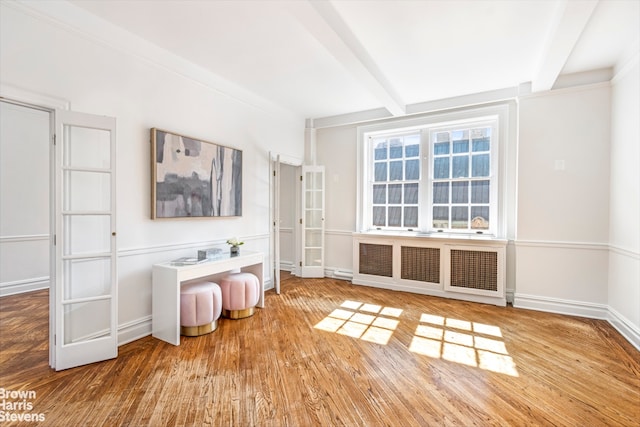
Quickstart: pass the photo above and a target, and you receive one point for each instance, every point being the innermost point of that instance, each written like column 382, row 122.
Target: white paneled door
column 312, row 221
column 85, row 291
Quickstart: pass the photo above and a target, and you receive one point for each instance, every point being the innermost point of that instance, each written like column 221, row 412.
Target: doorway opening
column 25, row 198
column 54, row 193
column 285, row 215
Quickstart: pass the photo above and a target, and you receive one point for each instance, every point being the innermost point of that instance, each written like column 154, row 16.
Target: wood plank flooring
column 328, row 353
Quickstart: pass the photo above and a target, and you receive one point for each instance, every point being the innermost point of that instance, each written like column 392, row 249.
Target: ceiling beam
column 570, row 19
column 326, row 25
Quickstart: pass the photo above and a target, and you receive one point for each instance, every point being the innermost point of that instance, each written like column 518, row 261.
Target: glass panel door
column 276, row 223
column 312, row 221
column 85, row 287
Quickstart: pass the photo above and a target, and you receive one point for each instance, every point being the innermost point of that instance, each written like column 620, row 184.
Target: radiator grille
column 376, row 259
column 421, row 264
column 474, row 269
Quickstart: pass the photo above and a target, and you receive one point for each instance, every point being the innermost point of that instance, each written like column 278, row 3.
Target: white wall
column 624, row 203
column 42, row 56
column 336, row 149
column 24, row 199
column 563, row 198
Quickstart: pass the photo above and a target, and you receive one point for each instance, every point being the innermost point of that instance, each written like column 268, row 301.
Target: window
column 440, row 175
column 396, row 177
column 461, row 178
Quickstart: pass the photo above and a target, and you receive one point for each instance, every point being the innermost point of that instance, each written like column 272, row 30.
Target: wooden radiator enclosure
column 463, row 268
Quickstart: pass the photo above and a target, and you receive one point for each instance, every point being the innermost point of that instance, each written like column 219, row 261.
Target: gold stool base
column 238, row 314
column 194, row 331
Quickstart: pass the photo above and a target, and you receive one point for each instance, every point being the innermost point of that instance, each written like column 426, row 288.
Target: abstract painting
column 193, row 178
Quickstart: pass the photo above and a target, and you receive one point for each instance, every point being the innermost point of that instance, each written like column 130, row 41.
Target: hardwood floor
column 327, row 353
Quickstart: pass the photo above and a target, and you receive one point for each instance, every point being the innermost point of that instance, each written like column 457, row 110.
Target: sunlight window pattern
column 459, row 341
column 464, row 342
column 368, row 322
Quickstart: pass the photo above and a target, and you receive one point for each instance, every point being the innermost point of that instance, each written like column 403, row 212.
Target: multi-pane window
column 434, row 178
column 461, row 178
column 396, row 175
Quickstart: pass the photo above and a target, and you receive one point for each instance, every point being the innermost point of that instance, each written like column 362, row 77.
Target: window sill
column 452, row 237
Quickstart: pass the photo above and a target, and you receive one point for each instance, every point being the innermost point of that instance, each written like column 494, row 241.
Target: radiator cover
column 376, row 260
column 474, row 269
column 422, row 264
column 471, row 269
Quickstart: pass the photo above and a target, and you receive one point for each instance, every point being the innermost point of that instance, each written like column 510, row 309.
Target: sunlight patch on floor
column 439, row 337
column 464, row 342
column 368, row 322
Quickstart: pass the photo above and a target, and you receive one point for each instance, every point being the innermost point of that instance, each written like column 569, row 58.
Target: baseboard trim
column 134, row 330
column 581, row 309
column 21, row 286
column 338, row 273
column 509, row 294
column 561, row 306
column 287, row 266
column 629, row 331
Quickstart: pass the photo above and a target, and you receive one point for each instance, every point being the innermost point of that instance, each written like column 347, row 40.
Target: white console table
column 167, row 279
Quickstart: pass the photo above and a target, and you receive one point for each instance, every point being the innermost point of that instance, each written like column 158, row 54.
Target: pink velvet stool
column 240, row 294
column 200, row 308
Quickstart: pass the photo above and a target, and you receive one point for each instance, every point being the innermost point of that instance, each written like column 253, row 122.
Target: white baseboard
column 509, row 294
column 561, row 306
column 582, row 309
column 21, row 286
column 287, row 266
column 134, row 330
column 626, row 328
column 338, row 273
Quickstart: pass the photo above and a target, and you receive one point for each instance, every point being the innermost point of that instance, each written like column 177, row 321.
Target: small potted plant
column 235, row 246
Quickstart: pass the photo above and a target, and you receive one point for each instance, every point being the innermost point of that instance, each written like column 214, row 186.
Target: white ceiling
column 326, row 58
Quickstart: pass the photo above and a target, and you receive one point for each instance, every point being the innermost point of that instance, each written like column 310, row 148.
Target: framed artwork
column 191, row 178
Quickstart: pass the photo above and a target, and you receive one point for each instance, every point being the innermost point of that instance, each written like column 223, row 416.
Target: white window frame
column 492, row 123
column 372, row 161
column 425, row 124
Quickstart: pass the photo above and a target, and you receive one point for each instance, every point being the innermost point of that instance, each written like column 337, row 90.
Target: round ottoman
column 240, row 293
column 200, row 308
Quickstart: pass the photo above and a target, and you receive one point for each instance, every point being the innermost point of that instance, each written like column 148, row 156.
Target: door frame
column 29, row 99
column 49, row 104
column 274, row 211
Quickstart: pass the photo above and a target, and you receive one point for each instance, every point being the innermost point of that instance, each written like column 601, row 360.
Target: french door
column 276, row 223
column 312, row 264
column 84, row 296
